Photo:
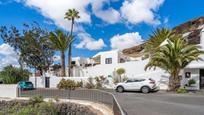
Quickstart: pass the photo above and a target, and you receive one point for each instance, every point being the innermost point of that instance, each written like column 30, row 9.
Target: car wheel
column 120, row 89
column 145, row 89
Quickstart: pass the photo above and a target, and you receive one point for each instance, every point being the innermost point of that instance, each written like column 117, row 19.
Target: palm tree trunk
column 174, row 81
column 70, row 60
column 70, row 51
column 63, row 64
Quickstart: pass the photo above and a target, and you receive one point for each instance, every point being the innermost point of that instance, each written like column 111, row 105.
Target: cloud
column 87, row 42
column 55, row 10
column 109, row 15
column 132, row 11
column 56, row 58
column 138, row 11
column 7, row 56
column 126, row 40
column 166, row 20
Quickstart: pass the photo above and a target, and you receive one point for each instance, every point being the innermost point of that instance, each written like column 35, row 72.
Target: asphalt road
column 135, row 103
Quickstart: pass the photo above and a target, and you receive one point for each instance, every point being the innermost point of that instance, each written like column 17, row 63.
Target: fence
column 94, row 95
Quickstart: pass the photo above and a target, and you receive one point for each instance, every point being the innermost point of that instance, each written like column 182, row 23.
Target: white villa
column 106, row 63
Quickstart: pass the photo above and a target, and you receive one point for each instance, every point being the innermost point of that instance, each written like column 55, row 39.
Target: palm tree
column 60, row 41
column 158, row 36
column 71, row 14
column 120, row 71
column 173, row 57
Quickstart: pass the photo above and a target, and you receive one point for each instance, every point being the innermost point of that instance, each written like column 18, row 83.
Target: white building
column 106, row 63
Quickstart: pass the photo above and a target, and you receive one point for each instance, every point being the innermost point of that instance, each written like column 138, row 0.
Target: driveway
column 161, row 103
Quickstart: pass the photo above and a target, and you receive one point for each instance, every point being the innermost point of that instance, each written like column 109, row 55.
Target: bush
column 67, row 84
column 191, row 82
column 90, row 83
column 181, row 90
column 79, row 84
column 46, row 108
column 36, row 99
column 12, row 75
column 100, row 81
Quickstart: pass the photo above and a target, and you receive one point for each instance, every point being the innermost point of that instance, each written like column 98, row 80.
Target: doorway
column 201, row 78
column 47, row 82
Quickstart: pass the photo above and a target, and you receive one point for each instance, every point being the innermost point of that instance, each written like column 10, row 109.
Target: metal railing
column 94, row 95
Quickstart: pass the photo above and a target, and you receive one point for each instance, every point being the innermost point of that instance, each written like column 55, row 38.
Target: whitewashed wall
column 54, row 80
column 8, row 91
column 133, row 69
column 195, row 74
column 112, row 54
column 40, row 81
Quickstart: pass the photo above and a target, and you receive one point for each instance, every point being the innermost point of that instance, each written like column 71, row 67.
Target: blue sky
column 104, row 24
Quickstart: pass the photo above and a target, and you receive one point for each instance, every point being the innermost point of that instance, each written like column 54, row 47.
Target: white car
column 144, row 85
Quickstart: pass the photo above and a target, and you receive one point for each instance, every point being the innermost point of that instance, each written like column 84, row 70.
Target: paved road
column 159, row 103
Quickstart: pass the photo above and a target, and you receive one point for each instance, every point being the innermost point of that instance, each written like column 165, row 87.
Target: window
column 140, row 80
column 108, row 61
column 188, row 75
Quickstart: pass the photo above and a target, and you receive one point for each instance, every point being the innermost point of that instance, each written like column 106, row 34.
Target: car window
column 139, row 80
column 27, row 83
column 128, row 81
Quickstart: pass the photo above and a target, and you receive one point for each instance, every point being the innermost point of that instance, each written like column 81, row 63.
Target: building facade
column 106, row 63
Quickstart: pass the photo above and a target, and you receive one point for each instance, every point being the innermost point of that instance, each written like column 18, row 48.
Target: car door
column 129, row 85
column 136, row 85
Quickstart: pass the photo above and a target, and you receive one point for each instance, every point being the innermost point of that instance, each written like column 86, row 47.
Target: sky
column 104, row 24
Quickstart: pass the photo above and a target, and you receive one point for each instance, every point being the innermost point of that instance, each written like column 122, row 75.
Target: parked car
column 25, row 85
column 144, row 85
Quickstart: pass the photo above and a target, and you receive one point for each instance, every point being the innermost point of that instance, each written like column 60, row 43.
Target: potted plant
column 191, row 82
column 191, row 85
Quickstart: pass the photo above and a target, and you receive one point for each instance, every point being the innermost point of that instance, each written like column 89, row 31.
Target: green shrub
column 181, row 90
column 191, row 82
column 46, row 108
column 36, row 99
column 27, row 110
column 67, row 84
column 12, row 75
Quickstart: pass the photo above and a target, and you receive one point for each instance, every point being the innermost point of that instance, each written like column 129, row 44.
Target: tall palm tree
column 173, row 57
column 71, row 14
column 157, row 37
column 60, row 41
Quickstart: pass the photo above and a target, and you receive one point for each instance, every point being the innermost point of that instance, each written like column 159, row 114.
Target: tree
column 31, row 44
column 156, row 39
column 12, row 75
column 71, row 14
column 173, row 57
column 59, row 42
column 120, row 71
